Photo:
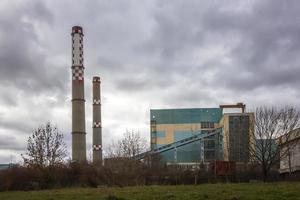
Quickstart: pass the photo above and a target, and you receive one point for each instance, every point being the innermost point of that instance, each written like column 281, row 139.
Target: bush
column 113, row 197
column 116, row 172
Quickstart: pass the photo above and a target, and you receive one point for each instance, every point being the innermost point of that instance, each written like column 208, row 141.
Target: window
column 209, row 144
column 160, row 134
column 207, row 125
column 209, row 155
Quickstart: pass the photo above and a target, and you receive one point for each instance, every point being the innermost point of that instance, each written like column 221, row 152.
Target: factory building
column 172, row 125
column 7, row 166
column 291, row 162
column 194, row 135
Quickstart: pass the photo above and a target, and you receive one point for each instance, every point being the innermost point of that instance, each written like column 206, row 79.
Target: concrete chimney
column 78, row 101
column 97, row 123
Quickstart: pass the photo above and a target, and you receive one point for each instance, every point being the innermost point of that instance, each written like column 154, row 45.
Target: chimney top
column 77, row 29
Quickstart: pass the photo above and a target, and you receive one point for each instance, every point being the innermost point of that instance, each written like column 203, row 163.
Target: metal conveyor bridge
column 200, row 136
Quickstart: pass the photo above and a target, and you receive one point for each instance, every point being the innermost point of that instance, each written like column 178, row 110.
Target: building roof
column 291, row 136
column 186, row 115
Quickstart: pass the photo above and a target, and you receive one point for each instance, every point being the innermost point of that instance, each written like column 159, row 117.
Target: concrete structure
column 78, row 100
column 293, row 143
column 238, row 105
column 7, row 166
column 97, row 123
column 230, row 144
column 238, row 135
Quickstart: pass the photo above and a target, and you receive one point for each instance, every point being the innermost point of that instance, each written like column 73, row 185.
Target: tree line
column 45, row 165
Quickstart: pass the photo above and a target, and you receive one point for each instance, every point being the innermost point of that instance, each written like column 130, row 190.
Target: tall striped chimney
column 97, row 126
column 78, row 101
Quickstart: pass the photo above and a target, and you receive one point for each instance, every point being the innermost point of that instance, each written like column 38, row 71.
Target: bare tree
column 130, row 145
column 269, row 126
column 45, row 147
column 121, row 167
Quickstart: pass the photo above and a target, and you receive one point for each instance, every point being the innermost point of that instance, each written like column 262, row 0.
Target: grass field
column 256, row 191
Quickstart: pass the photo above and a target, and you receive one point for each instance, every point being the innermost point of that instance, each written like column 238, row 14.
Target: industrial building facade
column 291, row 162
column 231, row 141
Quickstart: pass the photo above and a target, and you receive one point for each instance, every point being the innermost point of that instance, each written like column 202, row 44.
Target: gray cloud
column 268, row 44
column 22, row 53
column 10, row 143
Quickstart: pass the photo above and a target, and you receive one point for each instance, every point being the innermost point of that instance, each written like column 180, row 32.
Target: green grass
column 257, row 191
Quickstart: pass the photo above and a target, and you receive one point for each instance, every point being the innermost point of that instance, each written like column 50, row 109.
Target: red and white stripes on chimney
column 96, row 79
column 97, row 147
column 78, row 99
column 97, row 125
column 77, row 54
column 96, row 102
column 78, row 106
column 78, row 73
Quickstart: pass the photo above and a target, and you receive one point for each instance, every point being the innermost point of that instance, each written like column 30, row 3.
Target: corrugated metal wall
column 190, row 115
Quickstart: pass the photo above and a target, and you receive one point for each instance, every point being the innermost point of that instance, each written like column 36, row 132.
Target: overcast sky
column 149, row 54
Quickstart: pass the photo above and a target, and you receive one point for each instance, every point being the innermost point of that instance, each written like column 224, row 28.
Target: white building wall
column 295, row 157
